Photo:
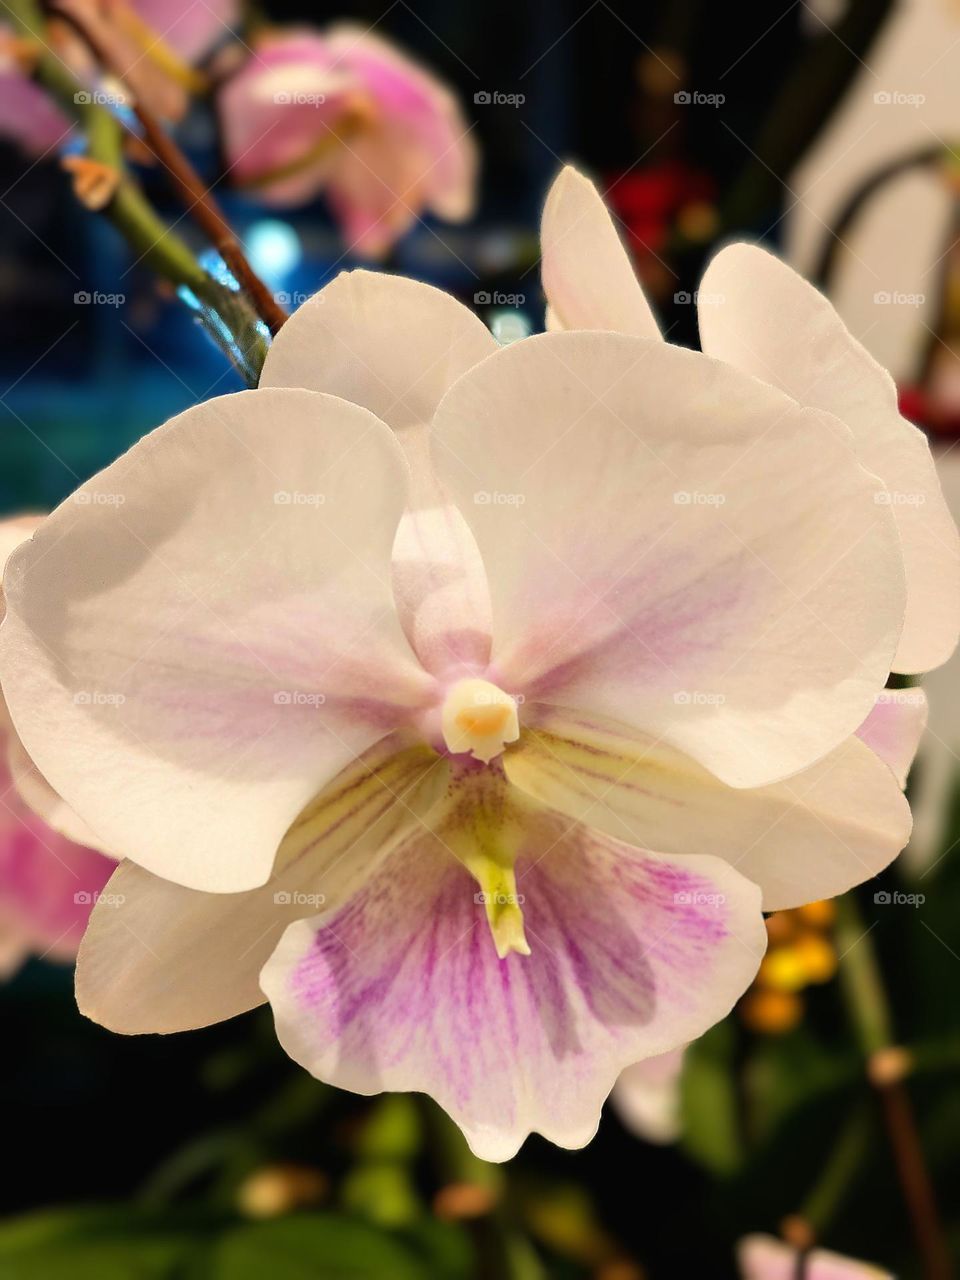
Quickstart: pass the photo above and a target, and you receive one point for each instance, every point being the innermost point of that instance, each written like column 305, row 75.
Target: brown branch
column 200, row 203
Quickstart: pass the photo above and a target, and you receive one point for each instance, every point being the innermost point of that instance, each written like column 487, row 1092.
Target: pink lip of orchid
column 50, row 877
column 766, row 1258
column 155, row 41
column 424, row 648
column 345, row 112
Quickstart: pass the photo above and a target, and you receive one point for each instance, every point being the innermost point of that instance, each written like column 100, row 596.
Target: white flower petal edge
column 647, row 1097
column 814, row 835
column 400, row 989
column 587, row 274
column 161, row 958
column 676, row 545
column 894, row 727
column 395, row 346
column 229, row 642
column 760, row 315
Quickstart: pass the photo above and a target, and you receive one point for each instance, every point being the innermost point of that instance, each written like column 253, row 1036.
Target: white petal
column 587, row 273
column 676, row 545
column 204, row 635
column 812, row 836
column 768, row 321
column 159, row 958
column 395, row 346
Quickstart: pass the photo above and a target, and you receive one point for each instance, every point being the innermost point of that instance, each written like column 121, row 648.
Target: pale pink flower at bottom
column 767, row 1258
column 346, row 112
column 434, row 709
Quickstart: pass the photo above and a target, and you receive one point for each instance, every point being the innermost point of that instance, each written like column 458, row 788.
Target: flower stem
column 129, row 210
column 861, row 982
column 196, row 196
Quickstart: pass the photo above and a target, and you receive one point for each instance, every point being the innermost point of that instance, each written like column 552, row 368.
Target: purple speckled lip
column 401, row 988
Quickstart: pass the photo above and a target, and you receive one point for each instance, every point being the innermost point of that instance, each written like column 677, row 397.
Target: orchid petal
column 812, row 836
column 894, row 727
column 395, row 346
column 159, row 958
column 401, row 989
column 588, row 277
column 48, row 882
column 675, row 545
column 647, row 1097
column 189, row 660
column 767, row 320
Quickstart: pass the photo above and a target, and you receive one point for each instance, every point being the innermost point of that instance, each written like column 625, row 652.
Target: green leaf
column 113, row 1243
column 312, row 1245
column 708, row 1100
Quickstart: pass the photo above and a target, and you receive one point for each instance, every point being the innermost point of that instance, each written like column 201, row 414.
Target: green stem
column 825, row 1199
column 861, row 982
column 860, row 979
column 156, row 245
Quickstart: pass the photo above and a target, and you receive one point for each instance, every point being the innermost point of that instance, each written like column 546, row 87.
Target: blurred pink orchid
column 48, row 882
column 347, row 113
column 767, row 1258
column 154, row 42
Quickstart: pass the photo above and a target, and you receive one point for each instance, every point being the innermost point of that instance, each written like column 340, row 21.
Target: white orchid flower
column 757, row 314
column 429, row 700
